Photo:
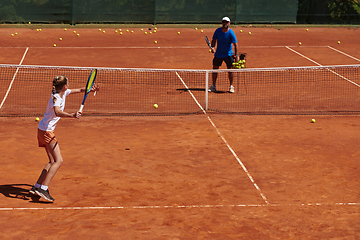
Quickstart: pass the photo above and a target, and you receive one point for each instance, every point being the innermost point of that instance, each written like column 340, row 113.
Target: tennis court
column 206, row 175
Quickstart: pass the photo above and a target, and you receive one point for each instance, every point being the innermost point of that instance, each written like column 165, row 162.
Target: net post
column 206, row 90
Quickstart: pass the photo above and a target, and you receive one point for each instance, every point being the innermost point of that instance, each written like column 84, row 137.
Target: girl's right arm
column 60, row 113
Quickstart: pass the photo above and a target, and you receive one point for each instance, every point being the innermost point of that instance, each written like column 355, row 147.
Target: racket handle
column 95, row 93
column 81, row 108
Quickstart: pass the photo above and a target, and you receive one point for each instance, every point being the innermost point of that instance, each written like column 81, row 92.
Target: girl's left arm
column 95, row 87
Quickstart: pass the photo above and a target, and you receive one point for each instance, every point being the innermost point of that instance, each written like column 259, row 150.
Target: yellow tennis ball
column 178, row 32
column 65, row 29
column 250, row 33
column 241, row 31
column 29, row 22
column 60, row 39
column 120, row 33
column 99, row 29
column 155, row 105
column 195, row 28
column 202, row 31
column 74, row 31
column 37, row 119
column 12, row 34
column 155, row 41
column 115, row 31
column 154, row 31
column 54, row 45
column 155, row 28
column 209, row 50
column 299, row 43
column 127, row 30
column 145, row 32
column 142, row 29
column 132, row 31
column 120, row 29
column 307, row 29
column 77, row 34
column 104, row 31
column 338, row 42
column 15, row 33
column 313, row 120
column 40, row 29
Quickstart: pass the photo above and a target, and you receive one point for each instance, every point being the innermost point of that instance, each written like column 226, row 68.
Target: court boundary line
column 226, row 142
column 13, row 79
column 323, row 66
column 348, row 55
column 170, row 47
column 351, row 204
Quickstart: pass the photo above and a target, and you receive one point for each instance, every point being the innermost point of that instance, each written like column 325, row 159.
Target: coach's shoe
column 231, row 89
column 44, row 194
column 212, row 88
column 33, row 190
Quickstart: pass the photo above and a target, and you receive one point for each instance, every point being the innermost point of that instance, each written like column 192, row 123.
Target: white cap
column 226, row 19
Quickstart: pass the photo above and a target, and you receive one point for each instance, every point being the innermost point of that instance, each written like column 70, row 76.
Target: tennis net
column 25, row 90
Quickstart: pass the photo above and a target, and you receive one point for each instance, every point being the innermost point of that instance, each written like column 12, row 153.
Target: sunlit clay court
column 156, row 155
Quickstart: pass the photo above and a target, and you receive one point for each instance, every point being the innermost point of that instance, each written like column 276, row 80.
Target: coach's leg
column 214, row 75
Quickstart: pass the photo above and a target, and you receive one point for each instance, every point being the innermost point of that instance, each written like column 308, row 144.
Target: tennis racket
column 88, row 87
column 208, row 42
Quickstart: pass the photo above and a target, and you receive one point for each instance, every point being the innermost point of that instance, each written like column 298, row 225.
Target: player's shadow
column 20, row 191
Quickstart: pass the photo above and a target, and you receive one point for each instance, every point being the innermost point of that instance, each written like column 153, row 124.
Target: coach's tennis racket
column 88, row 87
column 208, row 42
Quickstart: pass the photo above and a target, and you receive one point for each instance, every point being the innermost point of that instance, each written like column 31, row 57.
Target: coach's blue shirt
column 224, row 42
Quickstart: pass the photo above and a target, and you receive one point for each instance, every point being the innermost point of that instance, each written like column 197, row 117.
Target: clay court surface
column 201, row 176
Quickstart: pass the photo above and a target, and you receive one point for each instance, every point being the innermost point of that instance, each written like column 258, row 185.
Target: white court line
column 184, row 206
column 322, row 65
column 344, row 53
column 226, row 143
column 170, row 47
column 12, row 81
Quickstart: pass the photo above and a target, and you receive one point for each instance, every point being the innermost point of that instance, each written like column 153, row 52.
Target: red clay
column 174, row 177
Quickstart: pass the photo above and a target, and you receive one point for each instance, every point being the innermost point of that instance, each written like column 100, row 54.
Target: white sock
column 43, row 187
column 37, row 185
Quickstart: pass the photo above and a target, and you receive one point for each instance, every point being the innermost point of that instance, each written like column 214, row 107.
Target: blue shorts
column 228, row 60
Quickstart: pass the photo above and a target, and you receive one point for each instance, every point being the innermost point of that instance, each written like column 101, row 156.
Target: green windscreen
column 149, row 11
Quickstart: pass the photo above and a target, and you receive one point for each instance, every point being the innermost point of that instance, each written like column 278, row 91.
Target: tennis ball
column 127, row 30
column 313, row 120
column 155, row 105
column 115, row 31
column 74, row 31
column 37, row 30
column 29, row 22
column 40, row 29
column 154, row 31
column 155, row 28
column 250, row 33
column 150, row 32
column 299, row 43
column 195, row 28
column 241, row 31
column 209, row 50
column 12, row 34
column 142, row 29
column 155, row 41
column 120, row 33
column 65, row 29
column 37, row 119
column 338, row 42
column 202, row 31
column 307, row 30
column 132, row 31
column 99, row 29
column 145, row 32
column 60, row 39
column 54, row 45
column 15, row 33
column 104, row 31
column 178, row 32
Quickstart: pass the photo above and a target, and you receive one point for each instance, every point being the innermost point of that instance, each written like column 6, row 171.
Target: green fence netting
column 148, row 11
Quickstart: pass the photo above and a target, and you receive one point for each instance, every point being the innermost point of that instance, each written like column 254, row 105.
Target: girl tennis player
column 46, row 136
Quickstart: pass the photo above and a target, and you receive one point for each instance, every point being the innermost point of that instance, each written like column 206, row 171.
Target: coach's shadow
column 20, row 191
